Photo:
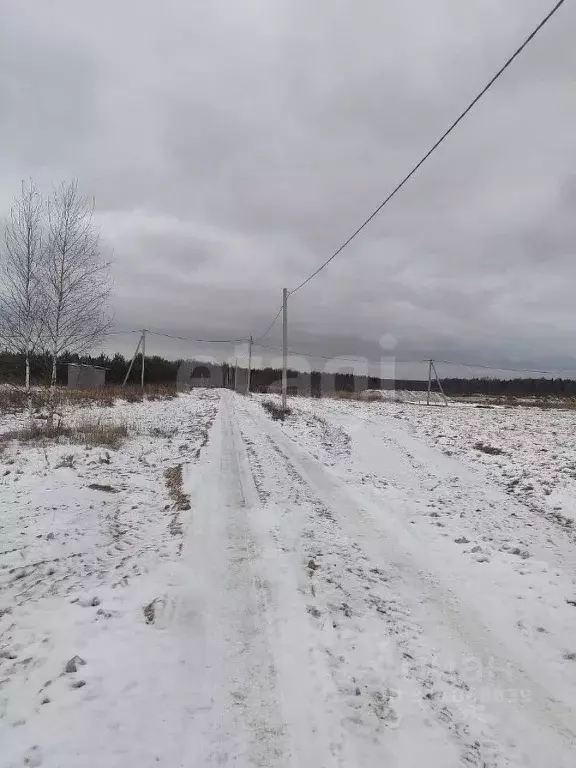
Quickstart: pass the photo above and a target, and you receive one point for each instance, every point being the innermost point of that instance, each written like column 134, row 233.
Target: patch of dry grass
column 105, row 434
column 15, row 399
column 89, row 433
column 174, row 483
column 37, row 430
column 370, row 397
column 364, row 396
column 491, row 450
column 277, row 412
column 12, row 399
column 108, row 395
column 104, row 488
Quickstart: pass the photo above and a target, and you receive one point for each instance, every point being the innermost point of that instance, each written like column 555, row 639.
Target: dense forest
column 160, row 371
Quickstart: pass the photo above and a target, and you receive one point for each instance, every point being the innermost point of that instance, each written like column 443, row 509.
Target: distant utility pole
column 133, row 359
column 249, row 376
column 439, row 383
column 432, row 367
column 284, row 346
column 236, row 374
column 143, row 356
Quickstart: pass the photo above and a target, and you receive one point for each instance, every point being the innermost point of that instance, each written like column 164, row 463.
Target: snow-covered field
column 88, row 538
column 363, row 584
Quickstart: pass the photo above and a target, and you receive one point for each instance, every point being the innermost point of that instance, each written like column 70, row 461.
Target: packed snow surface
column 359, row 585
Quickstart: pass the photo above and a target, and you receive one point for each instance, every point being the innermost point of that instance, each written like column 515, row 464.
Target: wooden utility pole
column 429, row 381
column 236, row 374
column 132, row 361
column 249, row 376
column 143, row 356
column 439, row 383
column 284, row 346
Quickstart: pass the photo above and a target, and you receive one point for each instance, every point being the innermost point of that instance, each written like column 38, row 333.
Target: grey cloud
column 232, row 147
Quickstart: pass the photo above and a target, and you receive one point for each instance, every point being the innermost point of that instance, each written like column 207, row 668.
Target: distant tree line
column 158, row 370
column 162, row 371
column 510, row 387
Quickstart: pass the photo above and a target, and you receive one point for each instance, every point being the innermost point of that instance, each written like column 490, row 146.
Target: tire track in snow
column 444, row 690
column 351, row 598
column 220, row 606
column 345, row 603
column 254, row 700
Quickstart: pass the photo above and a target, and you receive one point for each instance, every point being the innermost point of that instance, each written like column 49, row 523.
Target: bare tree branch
column 21, row 300
column 76, row 278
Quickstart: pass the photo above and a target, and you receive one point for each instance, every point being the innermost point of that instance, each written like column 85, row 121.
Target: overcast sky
column 232, row 146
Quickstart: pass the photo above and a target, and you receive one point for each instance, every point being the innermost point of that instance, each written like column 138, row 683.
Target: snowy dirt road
column 343, row 627
column 347, row 596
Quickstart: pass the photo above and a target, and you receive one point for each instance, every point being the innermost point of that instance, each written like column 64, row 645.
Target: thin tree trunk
column 28, row 390
column 53, row 377
column 52, row 397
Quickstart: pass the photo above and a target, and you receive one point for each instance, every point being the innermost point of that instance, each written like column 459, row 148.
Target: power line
column 335, row 357
column 181, row 338
column 434, row 147
column 309, row 354
column 470, row 366
column 120, row 333
column 199, row 341
column 272, row 324
column 508, row 370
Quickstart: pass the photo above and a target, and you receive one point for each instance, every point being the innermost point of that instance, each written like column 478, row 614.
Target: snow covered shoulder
column 91, row 528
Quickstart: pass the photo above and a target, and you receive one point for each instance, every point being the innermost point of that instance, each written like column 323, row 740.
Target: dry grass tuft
column 66, row 461
column 14, row 399
column 104, row 488
column 491, row 450
column 105, row 434
column 174, row 483
column 89, row 433
column 108, row 395
column 181, row 500
column 342, row 395
column 276, row 411
column 364, row 396
column 37, row 430
column 149, row 612
column 370, row 397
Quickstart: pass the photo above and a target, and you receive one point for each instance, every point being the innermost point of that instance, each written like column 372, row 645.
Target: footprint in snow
column 33, row 757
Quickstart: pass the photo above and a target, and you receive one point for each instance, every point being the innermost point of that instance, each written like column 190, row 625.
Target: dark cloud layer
column 231, row 147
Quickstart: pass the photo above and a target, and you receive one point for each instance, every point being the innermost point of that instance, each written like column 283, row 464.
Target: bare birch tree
column 21, row 300
column 77, row 278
